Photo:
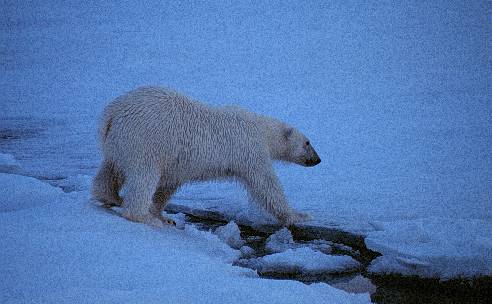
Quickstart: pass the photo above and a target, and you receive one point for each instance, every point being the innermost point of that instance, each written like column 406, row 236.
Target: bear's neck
column 276, row 143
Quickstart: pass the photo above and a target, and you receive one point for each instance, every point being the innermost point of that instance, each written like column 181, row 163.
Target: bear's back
column 152, row 99
column 154, row 112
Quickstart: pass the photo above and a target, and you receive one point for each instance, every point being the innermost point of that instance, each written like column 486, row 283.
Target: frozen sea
column 396, row 99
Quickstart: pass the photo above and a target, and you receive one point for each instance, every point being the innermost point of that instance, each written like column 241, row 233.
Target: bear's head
column 298, row 149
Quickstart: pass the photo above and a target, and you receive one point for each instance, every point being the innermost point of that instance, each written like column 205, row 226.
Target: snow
column 247, row 251
column 67, row 250
column 230, row 234
column 179, row 219
column 280, row 241
column 327, row 246
column 358, row 284
column 395, row 97
column 433, row 247
column 8, row 163
column 24, row 193
column 77, row 182
column 303, row 260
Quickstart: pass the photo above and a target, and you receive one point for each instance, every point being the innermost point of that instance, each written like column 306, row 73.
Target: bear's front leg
column 298, row 217
column 264, row 187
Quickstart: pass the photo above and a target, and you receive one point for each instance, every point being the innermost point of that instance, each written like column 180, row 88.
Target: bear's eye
column 307, row 143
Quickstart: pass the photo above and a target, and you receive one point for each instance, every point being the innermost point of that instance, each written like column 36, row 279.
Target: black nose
column 312, row 162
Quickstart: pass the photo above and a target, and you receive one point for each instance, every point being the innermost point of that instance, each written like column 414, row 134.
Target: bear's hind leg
column 161, row 198
column 107, row 184
column 139, row 198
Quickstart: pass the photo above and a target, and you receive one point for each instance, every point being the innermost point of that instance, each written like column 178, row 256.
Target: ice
column 212, row 245
column 247, row 251
column 303, row 260
column 8, row 164
column 358, row 284
column 77, row 182
column 433, row 247
column 280, row 241
column 327, row 246
column 65, row 249
column 22, row 192
column 179, row 219
column 230, row 234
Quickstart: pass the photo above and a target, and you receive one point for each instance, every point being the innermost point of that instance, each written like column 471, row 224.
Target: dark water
column 399, row 289
column 383, row 288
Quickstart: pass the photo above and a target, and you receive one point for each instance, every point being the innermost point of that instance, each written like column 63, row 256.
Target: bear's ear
column 288, row 132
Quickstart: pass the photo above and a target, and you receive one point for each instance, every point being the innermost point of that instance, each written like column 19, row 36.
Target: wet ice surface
column 383, row 288
column 351, row 277
column 306, row 260
column 284, row 256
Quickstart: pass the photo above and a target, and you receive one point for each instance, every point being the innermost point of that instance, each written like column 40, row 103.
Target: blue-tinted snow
column 8, row 163
column 69, row 251
column 280, row 241
column 303, row 260
column 25, row 193
column 395, row 98
column 230, row 234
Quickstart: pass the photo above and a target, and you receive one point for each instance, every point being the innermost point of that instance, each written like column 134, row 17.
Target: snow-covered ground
column 57, row 248
column 395, row 98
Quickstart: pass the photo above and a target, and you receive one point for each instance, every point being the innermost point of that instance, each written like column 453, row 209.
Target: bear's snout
column 312, row 162
column 311, row 157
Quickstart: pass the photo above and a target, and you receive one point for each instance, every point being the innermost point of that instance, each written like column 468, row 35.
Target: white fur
column 155, row 140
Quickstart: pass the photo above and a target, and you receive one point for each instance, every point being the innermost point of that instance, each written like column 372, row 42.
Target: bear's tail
column 105, row 125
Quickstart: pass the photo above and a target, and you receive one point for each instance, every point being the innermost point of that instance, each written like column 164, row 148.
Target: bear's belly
column 203, row 171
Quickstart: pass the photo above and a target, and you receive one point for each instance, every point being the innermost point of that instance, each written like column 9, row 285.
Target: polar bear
column 154, row 140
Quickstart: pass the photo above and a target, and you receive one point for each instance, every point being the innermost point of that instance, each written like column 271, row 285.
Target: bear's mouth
column 312, row 162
